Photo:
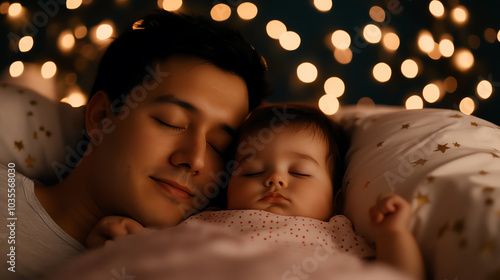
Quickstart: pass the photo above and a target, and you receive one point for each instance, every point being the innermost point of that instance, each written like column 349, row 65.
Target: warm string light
column 435, row 45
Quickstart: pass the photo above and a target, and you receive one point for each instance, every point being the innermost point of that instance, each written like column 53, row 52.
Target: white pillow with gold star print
column 447, row 165
column 36, row 133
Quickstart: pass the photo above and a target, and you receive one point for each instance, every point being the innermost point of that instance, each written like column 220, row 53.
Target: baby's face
column 285, row 174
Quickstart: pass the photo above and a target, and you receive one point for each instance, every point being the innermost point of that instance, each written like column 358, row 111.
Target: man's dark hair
column 161, row 35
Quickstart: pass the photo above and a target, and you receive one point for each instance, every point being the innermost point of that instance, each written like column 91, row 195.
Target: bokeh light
column 450, row 84
column 484, row 89
column 467, row 106
column 80, row 31
column 365, row 102
column 446, row 47
column 15, row 9
column 26, row 43
column 459, row 15
column 275, row 29
column 341, row 39
column 16, row 69
column 334, row 86
column 66, row 41
column 436, row 8
column 431, row 93
column 409, row 68
column 49, row 70
column 382, row 72
column 171, row 5
column 372, row 33
column 490, row 35
column 463, row 59
column 220, row 12
column 343, row 56
column 323, row 5
column 391, row 41
column 290, row 40
column 425, row 41
column 247, row 10
column 307, row 72
column 328, row 104
column 73, row 4
column 435, row 53
column 104, row 31
column 414, row 102
column 377, row 14
column 76, row 98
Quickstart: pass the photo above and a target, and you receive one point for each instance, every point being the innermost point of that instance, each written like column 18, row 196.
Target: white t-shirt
column 31, row 243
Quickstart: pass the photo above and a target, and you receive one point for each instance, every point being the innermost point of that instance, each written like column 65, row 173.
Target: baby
column 286, row 189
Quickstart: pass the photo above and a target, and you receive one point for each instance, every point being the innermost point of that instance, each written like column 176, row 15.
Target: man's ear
column 98, row 108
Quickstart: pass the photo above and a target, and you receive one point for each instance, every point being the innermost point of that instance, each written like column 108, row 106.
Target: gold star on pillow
column 457, row 116
column 443, row 229
column 422, row 199
column 456, row 145
column 366, row 185
column 442, row 148
column 405, row 126
column 473, row 124
column 18, row 145
column 419, row 162
column 30, row 161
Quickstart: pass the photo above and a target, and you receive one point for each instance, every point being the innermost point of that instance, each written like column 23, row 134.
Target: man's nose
column 190, row 154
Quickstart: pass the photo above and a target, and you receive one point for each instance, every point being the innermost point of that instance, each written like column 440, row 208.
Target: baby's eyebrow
column 306, row 157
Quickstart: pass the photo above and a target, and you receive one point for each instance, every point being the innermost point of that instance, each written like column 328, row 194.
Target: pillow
column 447, row 165
column 39, row 136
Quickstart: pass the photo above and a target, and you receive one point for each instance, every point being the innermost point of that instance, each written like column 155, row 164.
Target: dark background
column 314, row 28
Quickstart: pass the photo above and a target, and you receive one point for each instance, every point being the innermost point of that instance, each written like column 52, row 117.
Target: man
column 168, row 97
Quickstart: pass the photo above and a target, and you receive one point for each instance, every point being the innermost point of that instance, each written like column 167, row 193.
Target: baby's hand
column 110, row 228
column 391, row 213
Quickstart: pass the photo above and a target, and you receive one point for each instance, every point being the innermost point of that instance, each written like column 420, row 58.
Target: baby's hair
column 302, row 117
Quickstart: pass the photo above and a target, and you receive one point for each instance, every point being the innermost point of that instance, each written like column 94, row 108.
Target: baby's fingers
column 375, row 215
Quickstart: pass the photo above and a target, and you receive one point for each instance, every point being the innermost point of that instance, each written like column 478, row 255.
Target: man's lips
column 173, row 188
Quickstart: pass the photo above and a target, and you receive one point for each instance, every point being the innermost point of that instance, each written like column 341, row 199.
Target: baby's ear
column 338, row 203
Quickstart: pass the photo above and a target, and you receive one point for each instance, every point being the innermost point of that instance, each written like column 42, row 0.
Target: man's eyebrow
column 306, row 157
column 168, row 98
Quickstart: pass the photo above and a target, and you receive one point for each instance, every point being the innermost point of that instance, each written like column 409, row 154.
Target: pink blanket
column 201, row 248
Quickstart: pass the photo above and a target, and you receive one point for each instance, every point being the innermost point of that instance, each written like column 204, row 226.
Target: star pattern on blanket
column 482, row 172
column 18, row 145
column 33, row 102
column 457, row 145
column 494, row 155
column 35, row 135
column 430, row 179
column 474, row 124
column 30, row 113
column 442, row 148
column 405, row 126
column 456, row 116
column 379, row 144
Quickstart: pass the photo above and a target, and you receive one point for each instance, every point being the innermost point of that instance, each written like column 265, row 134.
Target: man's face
column 287, row 176
column 165, row 149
